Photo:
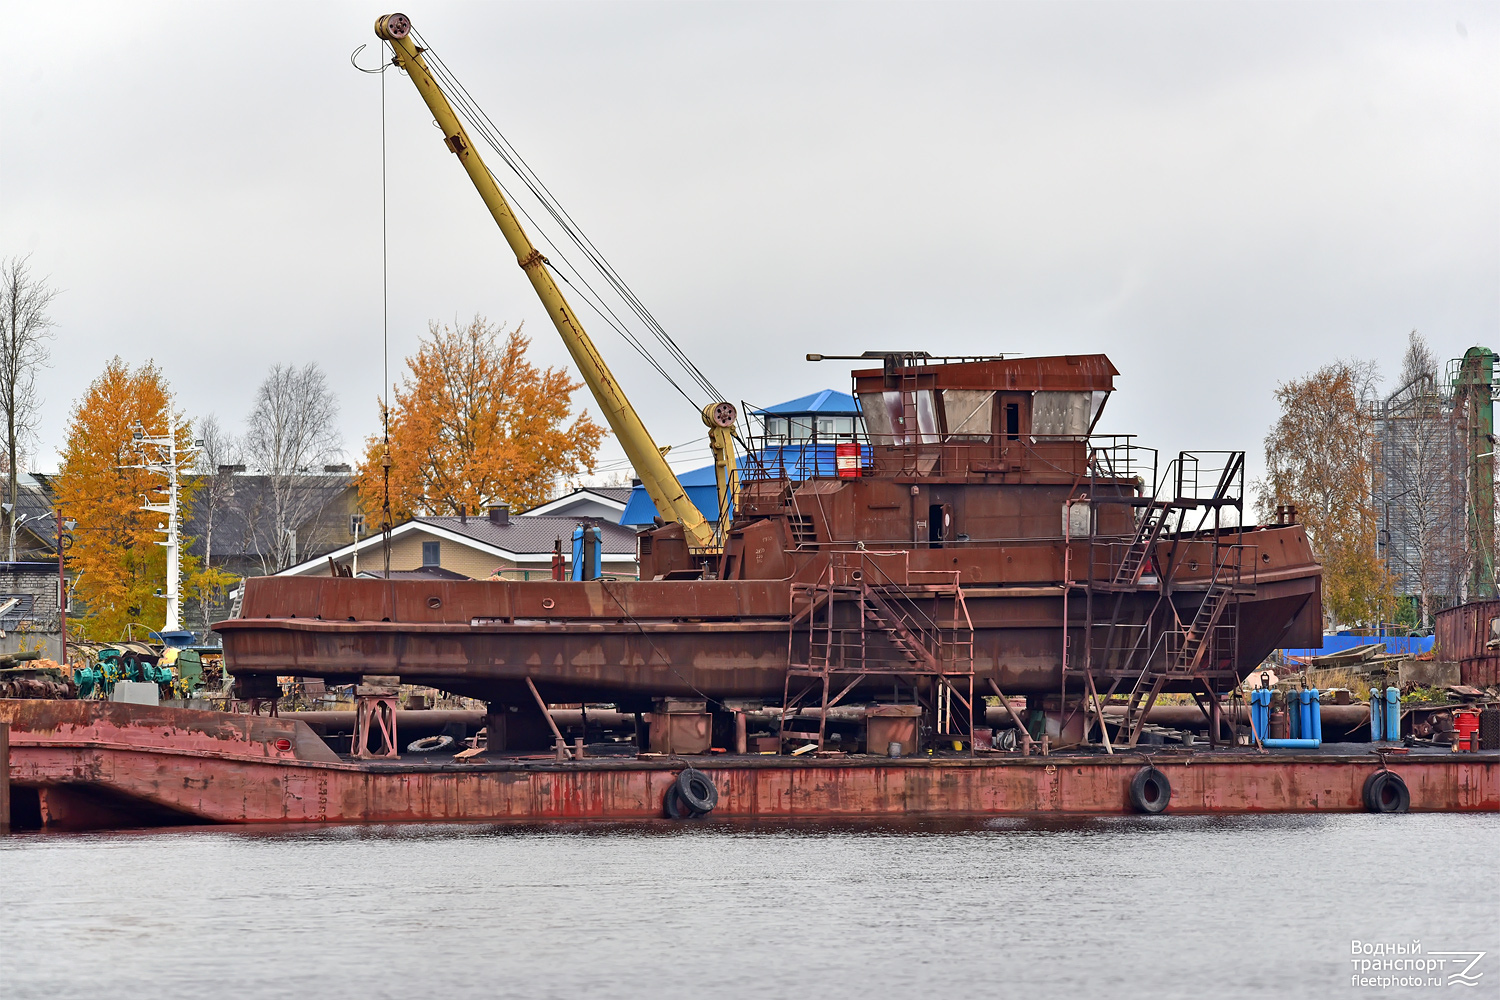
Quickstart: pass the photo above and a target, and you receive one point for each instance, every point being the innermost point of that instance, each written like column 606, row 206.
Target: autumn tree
column 116, row 561
column 1319, row 459
column 473, row 422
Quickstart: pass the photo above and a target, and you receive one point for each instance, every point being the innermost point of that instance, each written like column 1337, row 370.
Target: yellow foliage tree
column 1319, row 458
column 475, row 422
column 115, row 559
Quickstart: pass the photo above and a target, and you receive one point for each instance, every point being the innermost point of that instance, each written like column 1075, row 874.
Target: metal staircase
column 1153, row 519
column 1173, row 645
column 870, row 615
column 1197, row 653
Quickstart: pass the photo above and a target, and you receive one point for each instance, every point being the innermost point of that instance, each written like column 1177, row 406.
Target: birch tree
column 1319, row 458
column 292, row 431
column 25, row 329
column 215, row 493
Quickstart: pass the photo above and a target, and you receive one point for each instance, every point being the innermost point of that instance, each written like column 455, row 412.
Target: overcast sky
column 1218, row 196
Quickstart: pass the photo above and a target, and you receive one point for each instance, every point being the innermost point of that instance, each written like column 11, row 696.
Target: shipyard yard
column 1041, row 539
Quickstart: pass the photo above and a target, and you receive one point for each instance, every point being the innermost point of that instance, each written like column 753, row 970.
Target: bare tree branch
column 25, row 328
column 292, row 431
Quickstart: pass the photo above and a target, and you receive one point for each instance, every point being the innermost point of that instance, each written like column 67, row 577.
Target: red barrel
column 846, row 460
column 1465, row 725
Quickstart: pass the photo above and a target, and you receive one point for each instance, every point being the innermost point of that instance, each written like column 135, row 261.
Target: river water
column 1263, row 906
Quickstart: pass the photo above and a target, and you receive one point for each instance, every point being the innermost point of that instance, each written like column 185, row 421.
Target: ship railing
column 812, row 454
column 865, row 594
column 886, row 579
column 887, row 597
column 1179, row 648
column 1113, row 649
column 1117, row 456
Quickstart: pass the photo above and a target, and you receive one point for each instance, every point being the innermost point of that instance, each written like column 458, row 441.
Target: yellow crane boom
column 656, row 476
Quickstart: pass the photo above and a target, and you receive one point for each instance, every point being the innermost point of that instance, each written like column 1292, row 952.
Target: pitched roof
column 422, row 573
column 242, row 522
column 608, row 496
column 34, row 510
column 533, row 533
column 523, row 539
column 829, row 401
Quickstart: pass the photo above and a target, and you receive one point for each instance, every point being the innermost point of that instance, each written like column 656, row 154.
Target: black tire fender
column 697, row 791
column 1386, row 792
column 1150, row 791
column 674, row 806
column 429, row 744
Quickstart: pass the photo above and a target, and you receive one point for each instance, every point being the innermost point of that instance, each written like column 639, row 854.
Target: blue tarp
column 800, row 461
column 702, row 488
column 1404, row 645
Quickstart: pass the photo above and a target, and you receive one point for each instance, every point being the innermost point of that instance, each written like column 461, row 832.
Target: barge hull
column 78, row 756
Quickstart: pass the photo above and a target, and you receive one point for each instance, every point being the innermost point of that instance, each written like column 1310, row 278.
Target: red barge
column 77, row 764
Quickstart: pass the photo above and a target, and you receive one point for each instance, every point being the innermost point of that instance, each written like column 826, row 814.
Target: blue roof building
column 797, row 439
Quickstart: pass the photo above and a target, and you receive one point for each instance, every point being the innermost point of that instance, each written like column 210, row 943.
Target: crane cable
column 591, row 298
column 487, row 129
column 589, row 294
column 490, row 133
column 585, row 291
column 385, row 346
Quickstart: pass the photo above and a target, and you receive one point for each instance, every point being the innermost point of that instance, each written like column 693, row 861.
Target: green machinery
column 114, row 665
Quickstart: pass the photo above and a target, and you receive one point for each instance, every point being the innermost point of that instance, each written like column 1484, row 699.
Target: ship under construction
column 974, row 537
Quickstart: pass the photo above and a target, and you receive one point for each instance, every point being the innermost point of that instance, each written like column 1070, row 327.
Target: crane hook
column 353, row 56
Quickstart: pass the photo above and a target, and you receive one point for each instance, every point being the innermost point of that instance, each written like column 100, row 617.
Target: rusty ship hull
column 608, row 640
column 989, row 534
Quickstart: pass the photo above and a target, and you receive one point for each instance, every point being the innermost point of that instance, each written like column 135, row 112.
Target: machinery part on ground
column 429, row 744
column 1150, row 791
column 87, row 679
column 697, row 791
column 1386, row 792
column 44, row 684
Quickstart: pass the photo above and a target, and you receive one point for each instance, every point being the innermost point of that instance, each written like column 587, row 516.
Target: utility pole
column 166, row 446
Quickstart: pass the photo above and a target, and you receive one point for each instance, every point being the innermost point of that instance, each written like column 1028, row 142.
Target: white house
column 477, row 548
